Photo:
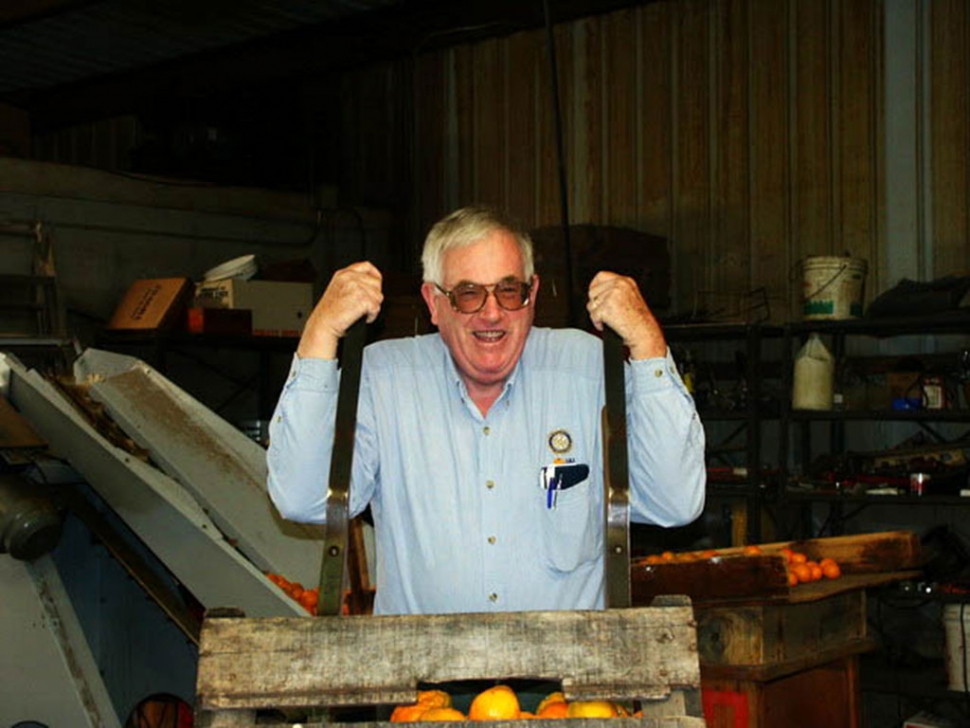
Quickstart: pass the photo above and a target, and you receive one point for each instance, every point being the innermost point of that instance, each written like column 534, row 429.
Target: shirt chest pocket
column 571, row 529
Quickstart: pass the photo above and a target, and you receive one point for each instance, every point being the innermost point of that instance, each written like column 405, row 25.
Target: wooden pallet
column 648, row 654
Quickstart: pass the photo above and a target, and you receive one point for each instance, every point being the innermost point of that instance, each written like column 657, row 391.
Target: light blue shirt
column 462, row 523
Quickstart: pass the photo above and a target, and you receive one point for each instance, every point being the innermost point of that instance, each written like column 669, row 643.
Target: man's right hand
column 353, row 292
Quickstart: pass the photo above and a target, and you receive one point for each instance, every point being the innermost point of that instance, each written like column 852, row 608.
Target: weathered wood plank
column 691, row 231
column 771, row 262
column 950, row 139
column 620, row 97
column 654, row 159
column 524, row 55
column 352, row 661
column 731, row 254
column 812, row 181
column 856, row 103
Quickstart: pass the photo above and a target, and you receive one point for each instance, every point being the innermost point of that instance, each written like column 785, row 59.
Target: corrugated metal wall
column 750, row 133
column 745, row 131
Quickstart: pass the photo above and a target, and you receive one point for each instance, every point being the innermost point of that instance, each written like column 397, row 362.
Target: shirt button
column 493, row 597
column 491, row 539
column 658, row 373
column 486, row 430
column 489, row 484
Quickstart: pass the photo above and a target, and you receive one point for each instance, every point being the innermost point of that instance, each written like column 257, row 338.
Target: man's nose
column 491, row 309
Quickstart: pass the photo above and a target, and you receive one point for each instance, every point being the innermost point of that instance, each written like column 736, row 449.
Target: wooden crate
column 763, row 641
column 866, row 560
column 285, row 664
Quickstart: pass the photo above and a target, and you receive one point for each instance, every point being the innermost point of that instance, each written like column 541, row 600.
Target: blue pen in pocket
column 561, row 476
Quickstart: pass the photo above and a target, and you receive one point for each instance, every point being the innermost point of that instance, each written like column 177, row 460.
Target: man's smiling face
column 485, row 345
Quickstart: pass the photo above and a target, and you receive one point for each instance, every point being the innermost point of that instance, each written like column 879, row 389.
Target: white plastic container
column 833, row 287
column 957, row 639
column 812, row 383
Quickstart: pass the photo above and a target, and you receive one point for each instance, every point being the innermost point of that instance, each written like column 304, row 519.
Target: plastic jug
column 814, row 376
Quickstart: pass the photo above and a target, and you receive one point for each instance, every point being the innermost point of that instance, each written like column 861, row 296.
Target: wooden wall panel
column 655, row 155
column 549, row 210
column 491, row 122
column 619, row 144
column 855, row 183
column 462, row 130
column 691, row 242
column 770, row 203
column 429, row 141
column 950, row 150
column 811, row 122
column 730, row 251
column 521, row 80
column 585, row 142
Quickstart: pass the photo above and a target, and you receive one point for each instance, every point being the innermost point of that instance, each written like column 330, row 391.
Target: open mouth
column 489, row 336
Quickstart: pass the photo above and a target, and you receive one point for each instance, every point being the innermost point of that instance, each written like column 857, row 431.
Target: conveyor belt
column 203, row 512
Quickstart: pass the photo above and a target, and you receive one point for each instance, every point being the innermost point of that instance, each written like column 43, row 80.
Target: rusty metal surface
column 223, row 469
column 158, row 509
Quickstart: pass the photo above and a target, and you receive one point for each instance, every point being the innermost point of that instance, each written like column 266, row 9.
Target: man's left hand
column 615, row 301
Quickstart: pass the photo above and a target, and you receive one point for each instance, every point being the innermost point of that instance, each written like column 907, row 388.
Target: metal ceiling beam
column 26, row 11
column 396, row 31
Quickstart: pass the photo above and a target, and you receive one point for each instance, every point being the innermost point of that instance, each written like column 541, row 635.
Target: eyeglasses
column 510, row 294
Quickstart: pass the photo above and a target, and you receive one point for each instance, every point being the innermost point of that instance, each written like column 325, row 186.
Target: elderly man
column 479, row 447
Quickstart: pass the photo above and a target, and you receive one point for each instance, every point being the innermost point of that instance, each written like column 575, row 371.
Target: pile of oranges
column 307, row 598
column 801, row 569
column 501, row 703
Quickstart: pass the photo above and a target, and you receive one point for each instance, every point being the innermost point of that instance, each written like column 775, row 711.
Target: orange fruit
column 792, row 579
column 496, row 703
column 787, row 553
column 667, row 556
column 830, row 569
column 526, row 715
column 434, row 715
column 408, row 713
column 591, row 709
column 798, row 558
column 815, row 569
column 802, row 572
column 308, row 600
column 751, row 550
column 553, row 710
column 434, row 698
column 556, row 697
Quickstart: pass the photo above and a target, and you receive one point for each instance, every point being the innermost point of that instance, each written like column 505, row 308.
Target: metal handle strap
column 616, row 475
column 334, row 565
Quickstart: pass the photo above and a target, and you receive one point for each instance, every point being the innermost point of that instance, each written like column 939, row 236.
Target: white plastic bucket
column 832, row 287
column 957, row 640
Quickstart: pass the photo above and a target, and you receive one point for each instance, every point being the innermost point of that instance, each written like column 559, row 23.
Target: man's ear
column 429, row 294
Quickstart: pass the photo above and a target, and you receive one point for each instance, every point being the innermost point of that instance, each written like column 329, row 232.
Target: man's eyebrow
column 508, row 279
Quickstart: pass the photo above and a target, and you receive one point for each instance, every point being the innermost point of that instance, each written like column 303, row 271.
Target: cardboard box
column 279, row 308
column 152, row 303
